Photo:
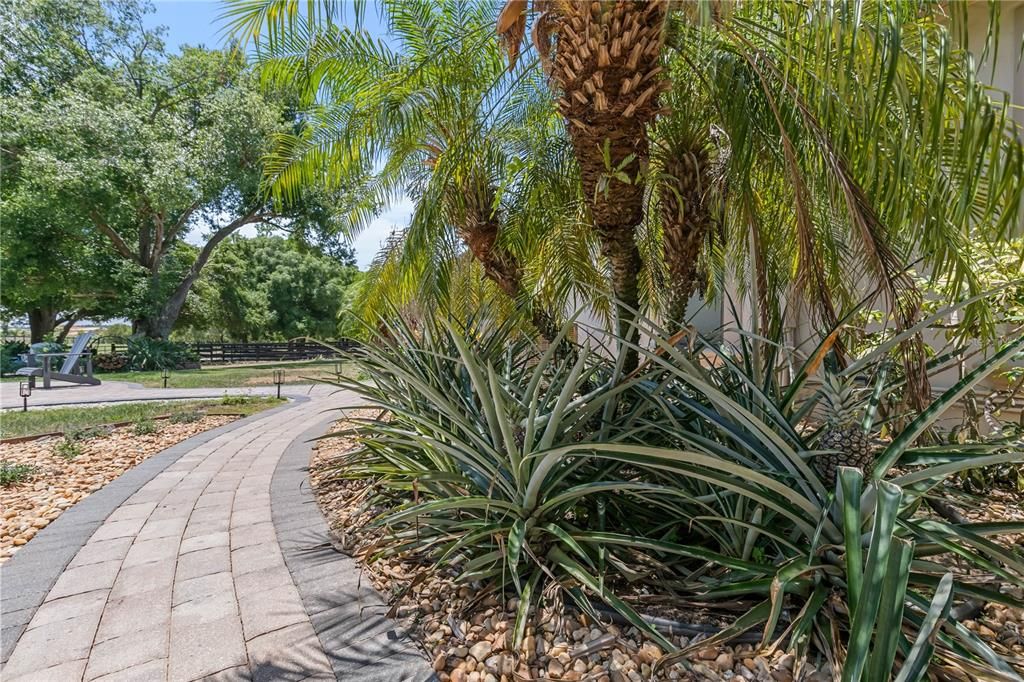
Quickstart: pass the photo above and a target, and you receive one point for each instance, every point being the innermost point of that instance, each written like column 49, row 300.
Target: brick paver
column 186, row 580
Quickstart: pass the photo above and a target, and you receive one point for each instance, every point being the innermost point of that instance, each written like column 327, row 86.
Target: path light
column 165, row 374
column 25, row 390
column 337, row 367
column 278, row 379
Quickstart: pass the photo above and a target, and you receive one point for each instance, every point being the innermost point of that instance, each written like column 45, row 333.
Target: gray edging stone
column 27, row 577
column 347, row 613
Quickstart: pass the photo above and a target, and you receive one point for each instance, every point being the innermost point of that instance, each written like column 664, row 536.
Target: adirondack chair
column 72, row 370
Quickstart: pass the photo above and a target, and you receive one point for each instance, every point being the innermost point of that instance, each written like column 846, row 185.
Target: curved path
column 208, row 561
column 64, row 393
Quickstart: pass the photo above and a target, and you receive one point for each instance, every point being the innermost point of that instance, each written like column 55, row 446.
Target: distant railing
column 217, row 352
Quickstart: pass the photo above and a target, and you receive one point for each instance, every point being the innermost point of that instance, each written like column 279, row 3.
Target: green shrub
column 228, row 399
column 186, row 417
column 145, row 354
column 67, row 448
column 1007, row 476
column 9, row 352
column 11, row 473
column 88, row 432
column 529, row 471
column 145, row 427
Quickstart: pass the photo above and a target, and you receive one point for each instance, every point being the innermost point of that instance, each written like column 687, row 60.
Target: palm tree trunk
column 605, row 60
column 480, row 234
column 685, row 222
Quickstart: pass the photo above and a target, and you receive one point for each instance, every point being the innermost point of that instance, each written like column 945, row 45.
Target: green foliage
column 145, row 427
column 186, row 417
column 266, row 288
column 793, row 104
column 235, row 400
column 67, row 448
column 12, row 473
column 788, row 104
column 521, row 469
column 87, row 433
column 453, row 137
column 9, row 352
column 1007, row 476
column 244, row 405
column 155, row 354
column 53, row 263
column 68, row 419
column 47, row 347
column 114, row 150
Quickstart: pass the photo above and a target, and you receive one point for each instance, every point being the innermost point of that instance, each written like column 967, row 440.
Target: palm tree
column 425, row 112
column 604, row 59
column 827, row 146
column 813, row 150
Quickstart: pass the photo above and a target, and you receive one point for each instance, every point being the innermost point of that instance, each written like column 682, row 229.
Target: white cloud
column 371, row 239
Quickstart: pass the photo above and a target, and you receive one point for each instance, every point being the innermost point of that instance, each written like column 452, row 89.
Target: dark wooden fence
column 217, row 352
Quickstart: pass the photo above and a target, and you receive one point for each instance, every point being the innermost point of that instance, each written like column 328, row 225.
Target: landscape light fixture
column 25, row 390
column 165, row 374
column 278, row 379
column 337, row 367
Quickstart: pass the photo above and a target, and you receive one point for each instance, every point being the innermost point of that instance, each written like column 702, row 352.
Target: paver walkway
column 186, row 580
column 114, row 391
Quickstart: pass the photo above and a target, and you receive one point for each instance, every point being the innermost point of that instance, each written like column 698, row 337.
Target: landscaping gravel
column 58, row 481
column 467, row 635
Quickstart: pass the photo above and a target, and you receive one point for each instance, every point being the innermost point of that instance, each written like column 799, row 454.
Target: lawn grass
column 228, row 376
column 68, row 419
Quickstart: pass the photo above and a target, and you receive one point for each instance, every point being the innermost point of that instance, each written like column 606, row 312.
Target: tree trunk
column 606, row 63
column 66, row 328
column 41, row 321
column 159, row 326
column 480, row 233
column 685, row 222
column 501, row 267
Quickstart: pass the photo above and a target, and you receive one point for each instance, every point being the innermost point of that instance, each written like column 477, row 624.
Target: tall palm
column 815, row 149
column 427, row 114
column 831, row 144
column 604, row 59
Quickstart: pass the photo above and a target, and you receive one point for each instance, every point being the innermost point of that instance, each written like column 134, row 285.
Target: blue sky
column 195, row 22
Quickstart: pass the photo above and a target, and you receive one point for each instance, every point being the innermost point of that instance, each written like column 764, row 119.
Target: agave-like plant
column 857, row 562
column 519, row 468
column 482, row 452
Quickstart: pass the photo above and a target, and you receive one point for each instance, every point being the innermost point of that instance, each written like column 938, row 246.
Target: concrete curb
column 347, row 613
column 28, row 576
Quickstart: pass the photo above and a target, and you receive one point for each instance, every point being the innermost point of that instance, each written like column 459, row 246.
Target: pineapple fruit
column 843, row 431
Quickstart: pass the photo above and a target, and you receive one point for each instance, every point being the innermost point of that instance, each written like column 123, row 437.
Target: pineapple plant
column 843, row 433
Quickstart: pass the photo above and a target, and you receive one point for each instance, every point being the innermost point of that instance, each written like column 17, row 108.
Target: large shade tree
column 144, row 148
column 53, row 272
column 269, row 287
